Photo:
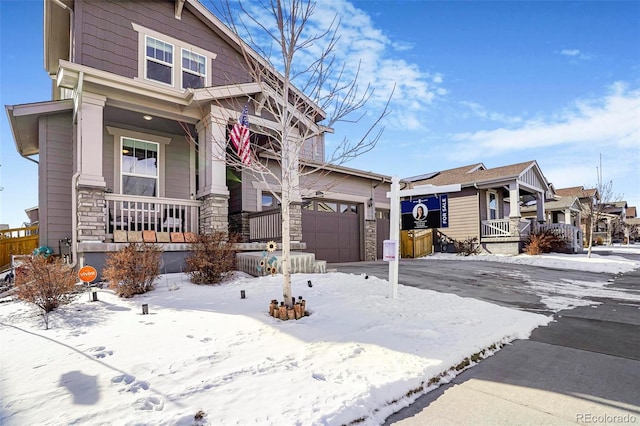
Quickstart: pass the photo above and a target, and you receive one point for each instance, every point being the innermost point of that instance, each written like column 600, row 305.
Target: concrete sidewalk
column 582, row 369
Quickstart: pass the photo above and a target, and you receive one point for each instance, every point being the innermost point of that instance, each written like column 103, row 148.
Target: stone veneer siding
column 214, row 214
column 239, row 224
column 295, row 221
column 370, row 236
column 91, row 215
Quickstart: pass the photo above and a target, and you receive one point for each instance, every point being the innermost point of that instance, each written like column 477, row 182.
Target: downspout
column 76, row 175
column 71, row 27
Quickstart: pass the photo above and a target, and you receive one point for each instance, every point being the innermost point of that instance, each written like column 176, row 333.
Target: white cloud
column 482, row 112
column 570, row 52
column 611, row 120
column 575, row 53
column 361, row 44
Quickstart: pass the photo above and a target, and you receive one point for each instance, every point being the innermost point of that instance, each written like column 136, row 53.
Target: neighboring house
column 587, row 200
column 615, row 214
column 141, row 90
column 489, row 206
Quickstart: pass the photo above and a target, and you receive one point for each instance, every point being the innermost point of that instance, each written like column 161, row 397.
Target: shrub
column 599, row 241
column 467, row 247
column 214, row 255
column 133, row 269
column 45, row 282
column 544, row 242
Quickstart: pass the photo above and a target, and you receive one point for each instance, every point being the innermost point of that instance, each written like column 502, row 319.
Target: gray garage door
column 331, row 230
column 382, row 230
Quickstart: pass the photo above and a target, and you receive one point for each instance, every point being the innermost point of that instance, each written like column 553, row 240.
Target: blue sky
column 494, row 82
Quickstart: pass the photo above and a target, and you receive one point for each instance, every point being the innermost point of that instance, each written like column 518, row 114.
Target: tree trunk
column 590, row 235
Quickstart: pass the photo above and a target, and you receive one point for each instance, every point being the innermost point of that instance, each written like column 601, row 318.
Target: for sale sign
column 425, row 213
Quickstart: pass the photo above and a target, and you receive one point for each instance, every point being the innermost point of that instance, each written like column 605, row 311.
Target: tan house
column 489, row 206
column 126, row 147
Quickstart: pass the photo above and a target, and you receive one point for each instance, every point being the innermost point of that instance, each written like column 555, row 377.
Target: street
column 583, row 368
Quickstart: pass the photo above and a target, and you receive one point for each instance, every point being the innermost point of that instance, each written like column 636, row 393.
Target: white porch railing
column 500, row 228
column 571, row 234
column 495, row 228
column 132, row 213
column 264, row 226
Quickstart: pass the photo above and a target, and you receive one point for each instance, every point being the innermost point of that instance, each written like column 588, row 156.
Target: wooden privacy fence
column 416, row 243
column 17, row 241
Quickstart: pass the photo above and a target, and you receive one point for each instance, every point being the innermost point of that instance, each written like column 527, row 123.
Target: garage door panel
column 334, row 237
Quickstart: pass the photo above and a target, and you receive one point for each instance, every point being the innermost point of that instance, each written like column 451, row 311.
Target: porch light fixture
column 147, row 117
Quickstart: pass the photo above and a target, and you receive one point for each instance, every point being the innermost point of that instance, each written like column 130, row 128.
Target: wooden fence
column 416, row 243
column 17, row 241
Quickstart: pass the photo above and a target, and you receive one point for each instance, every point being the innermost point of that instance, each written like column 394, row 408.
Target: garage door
column 382, row 230
column 332, row 230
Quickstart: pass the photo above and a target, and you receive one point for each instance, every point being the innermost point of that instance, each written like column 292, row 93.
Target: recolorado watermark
column 589, row 418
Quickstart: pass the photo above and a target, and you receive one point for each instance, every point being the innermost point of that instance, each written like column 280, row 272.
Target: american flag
column 240, row 137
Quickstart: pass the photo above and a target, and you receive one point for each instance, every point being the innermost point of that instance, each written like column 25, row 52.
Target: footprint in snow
column 100, row 352
column 152, row 403
column 319, row 376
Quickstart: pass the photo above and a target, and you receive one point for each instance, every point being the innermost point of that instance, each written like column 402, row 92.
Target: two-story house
column 129, row 145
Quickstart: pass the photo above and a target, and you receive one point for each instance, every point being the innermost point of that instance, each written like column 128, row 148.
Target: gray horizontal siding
column 177, row 171
column 106, row 39
column 56, row 170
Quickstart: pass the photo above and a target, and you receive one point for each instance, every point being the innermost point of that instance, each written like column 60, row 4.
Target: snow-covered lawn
column 203, row 349
column 359, row 355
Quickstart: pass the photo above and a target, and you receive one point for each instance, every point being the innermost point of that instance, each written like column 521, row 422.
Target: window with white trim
column 194, row 70
column 139, row 171
column 492, row 205
column 171, row 62
column 158, row 60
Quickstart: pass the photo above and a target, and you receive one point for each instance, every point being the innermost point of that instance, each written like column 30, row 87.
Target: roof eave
column 23, row 120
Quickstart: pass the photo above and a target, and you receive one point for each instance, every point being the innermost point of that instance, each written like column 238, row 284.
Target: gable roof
column 562, row 203
column 577, row 191
column 477, row 174
column 631, row 212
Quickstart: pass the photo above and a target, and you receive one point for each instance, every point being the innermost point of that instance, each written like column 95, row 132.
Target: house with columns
column 133, row 144
column 489, row 206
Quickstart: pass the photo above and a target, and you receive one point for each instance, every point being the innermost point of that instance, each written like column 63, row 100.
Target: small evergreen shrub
column 544, row 242
column 214, row 255
column 46, row 282
column 467, row 247
column 133, row 269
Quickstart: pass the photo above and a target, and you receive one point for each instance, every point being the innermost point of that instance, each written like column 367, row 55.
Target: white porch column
column 212, row 135
column 540, row 207
column 90, row 130
column 514, row 200
column 567, row 217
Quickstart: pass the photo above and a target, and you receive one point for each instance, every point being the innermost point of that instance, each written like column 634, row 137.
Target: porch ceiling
column 136, row 119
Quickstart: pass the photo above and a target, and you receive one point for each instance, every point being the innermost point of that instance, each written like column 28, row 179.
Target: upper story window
column 194, row 70
column 159, row 60
column 170, row 61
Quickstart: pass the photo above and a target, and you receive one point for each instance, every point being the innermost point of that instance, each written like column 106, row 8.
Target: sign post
column 417, row 218
column 87, row 274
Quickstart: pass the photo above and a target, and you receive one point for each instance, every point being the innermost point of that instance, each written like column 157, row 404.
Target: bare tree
column 301, row 94
column 596, row 208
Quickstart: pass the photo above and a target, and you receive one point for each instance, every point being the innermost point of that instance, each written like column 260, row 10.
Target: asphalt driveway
column 583, row 368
